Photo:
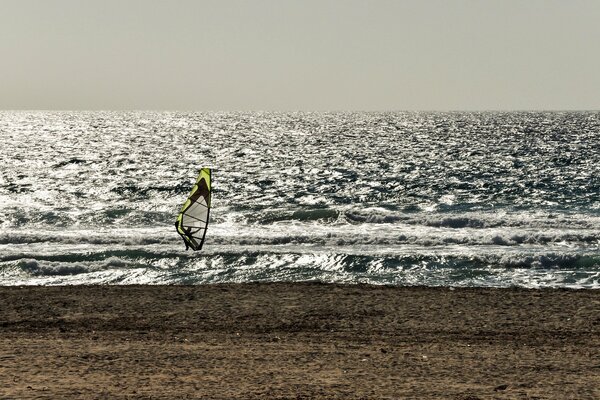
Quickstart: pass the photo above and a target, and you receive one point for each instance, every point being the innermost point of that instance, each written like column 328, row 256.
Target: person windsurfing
column 192, row 220
column 189, row 230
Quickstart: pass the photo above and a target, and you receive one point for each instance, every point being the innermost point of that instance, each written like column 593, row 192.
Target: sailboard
column 192, row 220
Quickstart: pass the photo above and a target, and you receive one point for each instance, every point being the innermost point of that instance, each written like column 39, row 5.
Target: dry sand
column 290, row 341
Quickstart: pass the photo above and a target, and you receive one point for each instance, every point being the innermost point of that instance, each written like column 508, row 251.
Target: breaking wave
column 124, row 267
column 316, row 234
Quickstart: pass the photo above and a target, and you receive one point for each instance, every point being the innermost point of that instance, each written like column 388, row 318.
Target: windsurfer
column 187, row 246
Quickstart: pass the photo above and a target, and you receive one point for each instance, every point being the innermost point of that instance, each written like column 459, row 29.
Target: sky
column 307, row 55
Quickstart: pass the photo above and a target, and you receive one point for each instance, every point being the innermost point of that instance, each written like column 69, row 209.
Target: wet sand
column 298, row 341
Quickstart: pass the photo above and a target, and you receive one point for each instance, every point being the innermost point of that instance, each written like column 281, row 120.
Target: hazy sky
column 300, row 55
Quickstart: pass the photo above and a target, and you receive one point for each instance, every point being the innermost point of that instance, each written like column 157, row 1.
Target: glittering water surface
column 461, row 199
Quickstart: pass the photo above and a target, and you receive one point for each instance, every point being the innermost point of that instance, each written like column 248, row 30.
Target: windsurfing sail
column 192, row 220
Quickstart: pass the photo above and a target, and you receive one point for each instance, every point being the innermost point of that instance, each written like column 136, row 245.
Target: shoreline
column 298, row 340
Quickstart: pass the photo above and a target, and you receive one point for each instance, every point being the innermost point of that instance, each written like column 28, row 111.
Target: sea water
column 488, row 199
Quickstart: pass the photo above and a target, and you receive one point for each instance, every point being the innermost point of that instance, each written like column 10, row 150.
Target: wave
column 73, row 217
column 476, row 220
column 84, row 237
column 48, row 268
column 301, row 215
column 141, row 191
column 125, row 257
column 128, row 216
column 341, row 235
column 73, row 160
column 498, row 270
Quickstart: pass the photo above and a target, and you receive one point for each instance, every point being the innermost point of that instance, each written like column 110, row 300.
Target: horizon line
column 299, row 110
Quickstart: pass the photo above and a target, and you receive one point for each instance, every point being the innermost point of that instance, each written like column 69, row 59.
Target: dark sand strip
column 313, row 341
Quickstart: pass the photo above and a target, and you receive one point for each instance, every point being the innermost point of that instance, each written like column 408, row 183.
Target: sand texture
column 298, row 341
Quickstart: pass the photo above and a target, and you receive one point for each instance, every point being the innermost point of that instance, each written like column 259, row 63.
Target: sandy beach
column 291, row 341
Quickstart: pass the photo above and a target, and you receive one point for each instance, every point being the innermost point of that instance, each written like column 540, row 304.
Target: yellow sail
column 192, row 220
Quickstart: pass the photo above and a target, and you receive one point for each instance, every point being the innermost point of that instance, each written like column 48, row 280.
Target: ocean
column 458, row 199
